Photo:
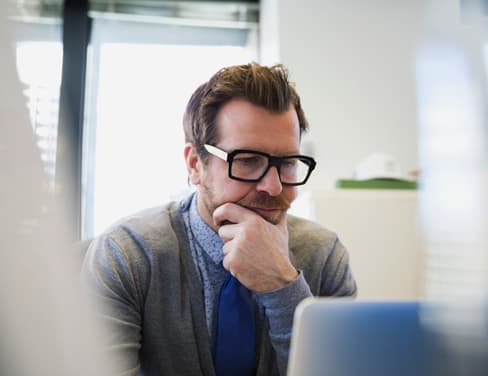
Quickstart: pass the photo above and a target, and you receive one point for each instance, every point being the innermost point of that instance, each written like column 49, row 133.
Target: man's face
column 242, row 125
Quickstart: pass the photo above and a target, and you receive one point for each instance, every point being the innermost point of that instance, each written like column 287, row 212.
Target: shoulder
column 304, row 233
column 312, row 246
column 146, row 220
column 130, row 247
column 322, row 257
column 137, row 238
column 147, row 228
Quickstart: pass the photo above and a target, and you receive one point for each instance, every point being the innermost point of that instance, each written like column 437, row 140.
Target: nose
column 270, row 183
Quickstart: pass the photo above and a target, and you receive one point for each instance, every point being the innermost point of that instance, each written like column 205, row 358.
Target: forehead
column 242, row 125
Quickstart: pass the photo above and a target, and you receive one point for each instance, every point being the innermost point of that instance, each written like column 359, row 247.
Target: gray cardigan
column 142, row 272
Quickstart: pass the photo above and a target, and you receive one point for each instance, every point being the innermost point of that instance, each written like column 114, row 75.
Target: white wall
column 353, row 65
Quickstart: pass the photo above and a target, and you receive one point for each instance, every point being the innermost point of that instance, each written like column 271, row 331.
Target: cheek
column 233, row 191
column 290, row 193
column 223, row 188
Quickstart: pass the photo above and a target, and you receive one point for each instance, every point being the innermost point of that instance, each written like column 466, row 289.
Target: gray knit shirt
column 152, row 300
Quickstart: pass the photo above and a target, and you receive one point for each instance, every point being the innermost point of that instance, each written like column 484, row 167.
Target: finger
column 231, row 261
column 225, row 263
column 229, row 257
column 230, row 212
column 227, row 232
column 226, row 249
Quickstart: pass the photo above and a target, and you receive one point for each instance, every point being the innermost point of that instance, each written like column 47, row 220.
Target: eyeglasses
column 252, row 165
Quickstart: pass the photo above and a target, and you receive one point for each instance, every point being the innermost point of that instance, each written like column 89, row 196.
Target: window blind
column 219, row 10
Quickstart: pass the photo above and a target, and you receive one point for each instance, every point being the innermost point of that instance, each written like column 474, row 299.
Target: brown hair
column 267, row 87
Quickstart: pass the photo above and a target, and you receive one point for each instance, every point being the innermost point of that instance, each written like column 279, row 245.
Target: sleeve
column 114, row 277
column 279, row 306
column 338, row 279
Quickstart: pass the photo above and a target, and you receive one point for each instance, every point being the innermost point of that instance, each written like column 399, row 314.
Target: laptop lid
column 344, row 337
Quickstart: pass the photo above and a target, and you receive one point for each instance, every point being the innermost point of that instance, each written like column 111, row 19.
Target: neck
column 205, row 213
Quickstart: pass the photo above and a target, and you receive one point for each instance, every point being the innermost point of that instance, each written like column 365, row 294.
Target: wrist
column 290, row 276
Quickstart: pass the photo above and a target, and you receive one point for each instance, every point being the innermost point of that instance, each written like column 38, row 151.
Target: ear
column 193, row 163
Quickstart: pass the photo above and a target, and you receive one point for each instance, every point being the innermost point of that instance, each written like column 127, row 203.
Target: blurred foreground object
column 45, row 324
column 381, row 338
column 451, row 79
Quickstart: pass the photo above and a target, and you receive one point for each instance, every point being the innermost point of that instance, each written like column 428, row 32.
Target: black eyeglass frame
column 272, row 161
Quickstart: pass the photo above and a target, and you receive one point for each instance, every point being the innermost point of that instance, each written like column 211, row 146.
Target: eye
column 250, row 160
column 289, row 163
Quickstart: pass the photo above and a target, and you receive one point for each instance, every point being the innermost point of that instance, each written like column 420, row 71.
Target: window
column 141, row 73
column 39, row 57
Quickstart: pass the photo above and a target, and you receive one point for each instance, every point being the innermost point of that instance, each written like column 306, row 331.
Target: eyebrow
column 250, row 148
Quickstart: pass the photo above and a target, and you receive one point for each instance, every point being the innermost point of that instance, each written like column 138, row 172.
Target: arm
column 336, row 280
column 111, row 274
column 279, row 308
column 329, row 271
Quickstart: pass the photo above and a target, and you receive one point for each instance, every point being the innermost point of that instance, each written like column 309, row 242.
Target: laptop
column 344, row 337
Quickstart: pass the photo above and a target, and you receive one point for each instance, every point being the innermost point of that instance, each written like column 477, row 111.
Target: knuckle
column 216, row 214
column 256, row 220
column 227, row 262
column 221, row 232
column 226, row 249
column 250, row 228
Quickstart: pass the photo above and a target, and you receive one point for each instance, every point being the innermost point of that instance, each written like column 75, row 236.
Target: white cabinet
column 379, row 228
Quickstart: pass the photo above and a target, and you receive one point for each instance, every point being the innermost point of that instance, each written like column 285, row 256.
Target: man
column 160, row 272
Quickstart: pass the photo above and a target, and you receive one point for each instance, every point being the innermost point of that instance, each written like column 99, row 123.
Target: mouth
column 265, row 212
column 270, row 208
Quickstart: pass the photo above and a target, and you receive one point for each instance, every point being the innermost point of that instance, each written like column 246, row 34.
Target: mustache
column 265, row 201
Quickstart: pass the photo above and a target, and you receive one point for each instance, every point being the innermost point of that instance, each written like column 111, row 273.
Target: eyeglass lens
column 252, row 166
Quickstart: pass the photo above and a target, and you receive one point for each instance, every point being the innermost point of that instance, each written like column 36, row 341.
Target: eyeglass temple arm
column 216, row 151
